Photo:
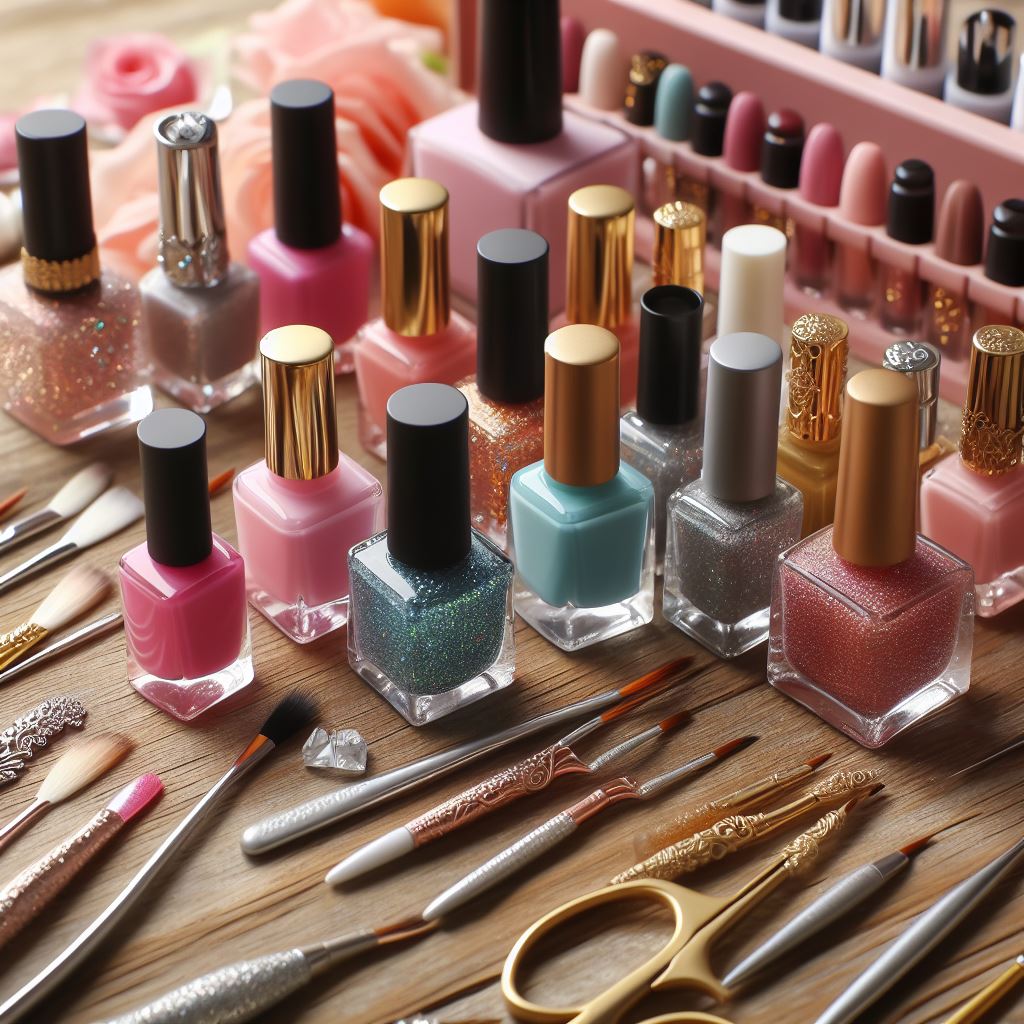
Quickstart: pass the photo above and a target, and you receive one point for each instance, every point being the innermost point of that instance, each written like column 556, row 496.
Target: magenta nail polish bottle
column 313, row 268
column 183, row 588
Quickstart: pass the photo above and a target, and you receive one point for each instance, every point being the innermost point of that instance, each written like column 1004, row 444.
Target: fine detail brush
column 25, row 896
column 318, row 813
column 1017, row 744
column 994, row 992
column 98, row 627
column 110, row 513
column 291, row 714
column 83, row 764
column 221, row 480
column 82, row 588
column 11, row 502
column 35, row 729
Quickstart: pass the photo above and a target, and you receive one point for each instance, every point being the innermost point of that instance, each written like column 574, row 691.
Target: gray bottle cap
column 741, row 420
column 921, row 363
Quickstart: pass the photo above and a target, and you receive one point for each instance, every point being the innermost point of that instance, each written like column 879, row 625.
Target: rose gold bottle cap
column 876, row 499
column 817, row 372
column 414, row 256
column 679, row 236
column 299, row 423
column 581, row 405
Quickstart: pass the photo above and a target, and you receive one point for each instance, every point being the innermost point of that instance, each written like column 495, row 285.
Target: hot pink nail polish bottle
column 512, row 158
column 313, row 268
column 300, row 510
column 183, row 588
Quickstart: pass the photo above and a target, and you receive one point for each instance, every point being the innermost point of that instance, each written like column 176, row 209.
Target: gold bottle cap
column 876, row 498
column 992, row 430
column 414, row 256
column 300, row 427
column 680, row 231
column 817, row 372
column 600, row 256
column 581, row 405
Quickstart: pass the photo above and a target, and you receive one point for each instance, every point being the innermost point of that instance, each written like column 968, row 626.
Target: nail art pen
column 978, row 1006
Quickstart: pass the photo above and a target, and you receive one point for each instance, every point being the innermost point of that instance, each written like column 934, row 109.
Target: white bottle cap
column 752, row 279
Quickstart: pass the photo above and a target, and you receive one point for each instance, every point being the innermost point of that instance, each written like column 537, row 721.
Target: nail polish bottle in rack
column 797, row 20
column 852, row 32
column 1004, row 260
column 751, row 12
column 707, row 138
column 914, row 44
column 821, row 171
column 741, row 152
column 782, row 148
column 982, row 81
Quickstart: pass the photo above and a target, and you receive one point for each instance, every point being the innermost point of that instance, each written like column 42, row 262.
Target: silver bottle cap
column 854, row 23
column 921, row 363
column 918, row 35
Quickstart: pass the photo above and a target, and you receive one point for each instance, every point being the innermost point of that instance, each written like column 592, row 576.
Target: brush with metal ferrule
column 980, row 1005
column 98, row 627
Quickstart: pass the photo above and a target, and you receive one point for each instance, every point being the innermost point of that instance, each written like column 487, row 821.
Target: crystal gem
column 342, row 750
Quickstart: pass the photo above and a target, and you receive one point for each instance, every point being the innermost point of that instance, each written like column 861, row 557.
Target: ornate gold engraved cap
column 817, row 372
column 300, row 427
column 581, row 405
column 680, row 232
column 600, row 255
column 876, row 499
column 414, row 256
column 992, row 431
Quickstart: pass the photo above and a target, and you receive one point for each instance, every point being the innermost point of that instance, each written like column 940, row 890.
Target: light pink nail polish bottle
column 300, row 510
column 313, row 268
column 183, row 588
column 512, row 157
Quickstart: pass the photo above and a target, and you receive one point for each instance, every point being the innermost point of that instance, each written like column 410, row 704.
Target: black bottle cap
column 645, row 70
column 707, row 129
column 307, row 201
column 520, row 72
column 512, row 314
column 172, row 447
column 911, row 212
column 782, row 148
column 800, row 10
column 671, row 328
column 428, row 476
column 985, row 53
column 1004, row 257
column 53, row 166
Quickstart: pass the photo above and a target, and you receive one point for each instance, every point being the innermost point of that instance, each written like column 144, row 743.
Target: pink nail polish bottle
column 300, row 510
column 974, row 504
column 512, row 157
column 862, row 199
column 418, row 339
column 741, row 151
column 183, row 588
column 313, row 268
column 871, row 623
column 821, row 172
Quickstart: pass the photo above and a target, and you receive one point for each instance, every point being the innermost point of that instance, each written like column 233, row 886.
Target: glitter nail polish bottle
column 299, row 510
column 582, row 520
column 418, row 338
column 897, row 610
column 973, row 505
column 726, row 529
column 430, row 624
column 663, row 437
column 183, row 588
column 71, row 354
column 506, row 398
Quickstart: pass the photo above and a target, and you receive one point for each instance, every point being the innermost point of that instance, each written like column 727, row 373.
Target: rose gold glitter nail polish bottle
column 70, row 355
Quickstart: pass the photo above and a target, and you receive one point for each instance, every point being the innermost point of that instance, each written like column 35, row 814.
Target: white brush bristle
column 110, row 513
column 83, row 763
column 82, row 588
column 84, row 487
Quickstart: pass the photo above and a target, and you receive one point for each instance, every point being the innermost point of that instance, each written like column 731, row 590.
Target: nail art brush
column 325, row 810
column 221, row 480
column 35, row 729
column 11, row 502
column 67, row 643
column 1017, row 744
column 978, row 1006
column 290, row 715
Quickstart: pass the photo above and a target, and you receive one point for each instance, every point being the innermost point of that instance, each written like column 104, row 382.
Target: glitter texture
column 902, row 299
column 719, row 563
column 72, row 363
column 946, row 322
column 855, row 280
column 431, row 642
column 870, row 650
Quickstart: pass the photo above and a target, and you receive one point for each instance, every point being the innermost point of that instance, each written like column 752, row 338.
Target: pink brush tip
column 136, row 796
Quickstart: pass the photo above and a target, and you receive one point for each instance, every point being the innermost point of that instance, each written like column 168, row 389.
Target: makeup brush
column 82, row 489
column 290, row 715
column 84, row 763
column 11, row 502
column 82, row 588
column 110, row 513
column 1017, row 744
column 98, row 627
column 995, row 991
column 29, row 892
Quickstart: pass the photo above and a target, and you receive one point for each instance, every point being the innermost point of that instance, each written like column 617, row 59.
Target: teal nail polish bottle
column 673, row 103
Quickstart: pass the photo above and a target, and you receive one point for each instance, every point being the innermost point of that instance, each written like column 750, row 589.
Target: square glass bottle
column 430, row 624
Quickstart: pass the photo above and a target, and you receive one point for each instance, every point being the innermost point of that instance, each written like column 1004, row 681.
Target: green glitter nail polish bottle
column 430, row 624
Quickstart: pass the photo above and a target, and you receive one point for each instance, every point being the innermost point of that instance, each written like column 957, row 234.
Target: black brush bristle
column 290, row 715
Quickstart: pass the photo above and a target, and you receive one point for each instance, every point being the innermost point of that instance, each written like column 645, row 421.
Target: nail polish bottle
column 512, row 157
column 72, row 359
column 813, row 418
column 430, row 624
column 582, row 521
column 727, row 528
column 821, row 175
column 897, row 610
column 910, row 218
column 645, row 70
column 862, row 201
column 506, row 398
column 183, row 588
column 603, row 68
column 418, row 337
column 600, row 290
column 752, row 282
column 663, row 437
column 741, row 151
column 752, row 12
column 200, row 310
column 679, row 243
column 299, row 510
column 1017, row 110
column 313, row 268
column 852, row 32
column 673, row 107
column 782, row 148
column 797, row 20
column 1004, row 254
column 982, row 81
column 573, row 36
column 914, row 44
column 707, row 138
